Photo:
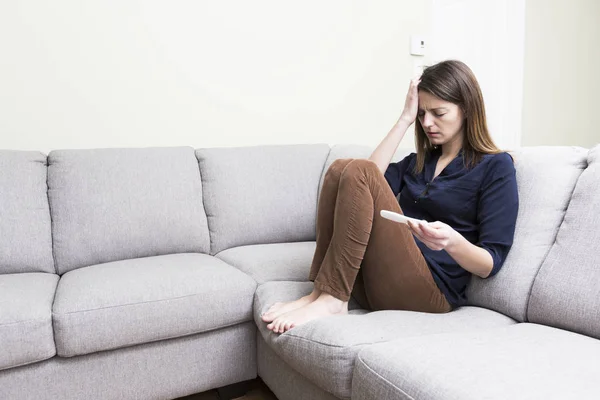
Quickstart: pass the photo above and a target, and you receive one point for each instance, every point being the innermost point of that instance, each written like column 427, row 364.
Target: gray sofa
column 142, row 274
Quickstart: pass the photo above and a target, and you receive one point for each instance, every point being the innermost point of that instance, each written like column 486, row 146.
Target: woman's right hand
column 411, row 105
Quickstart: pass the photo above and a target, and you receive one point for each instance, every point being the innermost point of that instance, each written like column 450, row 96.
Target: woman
column 458, row 181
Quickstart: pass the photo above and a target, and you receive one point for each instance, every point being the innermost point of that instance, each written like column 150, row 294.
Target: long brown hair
column 454, row 82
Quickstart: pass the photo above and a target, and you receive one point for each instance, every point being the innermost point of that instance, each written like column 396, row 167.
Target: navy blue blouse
column 481, row 203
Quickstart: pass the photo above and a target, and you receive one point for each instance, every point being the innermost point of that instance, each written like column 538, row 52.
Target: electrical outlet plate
column 418, row 45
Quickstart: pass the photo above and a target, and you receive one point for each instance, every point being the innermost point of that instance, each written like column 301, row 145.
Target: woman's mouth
column 432, row 133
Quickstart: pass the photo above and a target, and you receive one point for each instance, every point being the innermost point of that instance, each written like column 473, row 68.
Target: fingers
column 417, row 227
column 436, row 224
column 417, row 231
column 411, row 226
column 428, row 235
column 409, row 114
column 414, row 86
column 432, row 232
column 433, row 245
column 427, row 241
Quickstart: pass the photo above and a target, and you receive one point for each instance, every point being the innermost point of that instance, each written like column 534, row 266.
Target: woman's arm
column 384, row 152
column 440, row 236
column 497, row 210
column 474, row 259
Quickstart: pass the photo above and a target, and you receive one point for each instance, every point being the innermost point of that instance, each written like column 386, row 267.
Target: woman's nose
column 427, row 121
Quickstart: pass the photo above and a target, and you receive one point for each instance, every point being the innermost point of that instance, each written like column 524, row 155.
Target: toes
column 281, row 324
column 277, row 325
column 266, row 317
column 281, row 327
column 269, row 315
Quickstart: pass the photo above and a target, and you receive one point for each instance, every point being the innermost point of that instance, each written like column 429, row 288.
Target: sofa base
column 283, row 381
column 160, row 370
column 233, row 391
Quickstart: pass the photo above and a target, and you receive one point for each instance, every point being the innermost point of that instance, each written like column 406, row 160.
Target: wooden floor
column 258, row 391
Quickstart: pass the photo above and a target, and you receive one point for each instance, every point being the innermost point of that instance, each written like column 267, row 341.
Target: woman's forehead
column 427, row 101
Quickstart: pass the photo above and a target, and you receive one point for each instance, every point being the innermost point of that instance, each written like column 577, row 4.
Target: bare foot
column 324, row 306
column 278, row 309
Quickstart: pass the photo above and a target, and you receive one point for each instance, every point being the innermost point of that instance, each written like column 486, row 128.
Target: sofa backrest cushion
column 566, row 291
column 114, row 204
column 25, row 232
column 261, row 194
column 546, row 177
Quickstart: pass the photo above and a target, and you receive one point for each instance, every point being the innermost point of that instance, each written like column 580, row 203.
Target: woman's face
column 441, row 120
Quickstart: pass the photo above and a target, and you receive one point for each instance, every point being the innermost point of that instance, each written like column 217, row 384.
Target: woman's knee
column 337, row 167
column 359, row 167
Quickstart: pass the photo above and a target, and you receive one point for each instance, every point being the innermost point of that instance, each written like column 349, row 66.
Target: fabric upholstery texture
column 153, row 371
column 566, row 290
column 109, row 288
column 25, row 232
column 325, row 350
column 25, row 318
column 115, row 204
column 272, row 262
column 263, row 194
column 522, row 361
column 546, row 177
column 283, row 381
column 131, row 302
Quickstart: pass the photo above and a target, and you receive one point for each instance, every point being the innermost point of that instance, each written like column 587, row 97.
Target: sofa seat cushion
column 272, row 262
column 26, row 318
column 129, row 302
column 325, row 350
column 522, row 361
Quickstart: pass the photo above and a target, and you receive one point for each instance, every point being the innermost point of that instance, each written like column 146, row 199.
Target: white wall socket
column 417, row 45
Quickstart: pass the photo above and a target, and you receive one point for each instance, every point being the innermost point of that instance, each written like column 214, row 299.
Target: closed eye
column 421, row 114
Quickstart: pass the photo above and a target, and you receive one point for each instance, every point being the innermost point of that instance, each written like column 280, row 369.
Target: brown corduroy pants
column 360, row 253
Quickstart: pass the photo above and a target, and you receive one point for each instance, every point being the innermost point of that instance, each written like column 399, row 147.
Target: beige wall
column 155, row 73
column 561, row 103
column 203, row 73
